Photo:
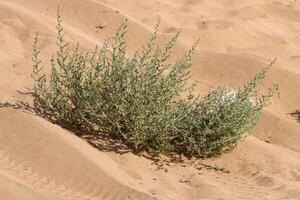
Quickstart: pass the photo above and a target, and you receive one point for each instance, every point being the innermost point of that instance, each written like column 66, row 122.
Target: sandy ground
column 41, row 161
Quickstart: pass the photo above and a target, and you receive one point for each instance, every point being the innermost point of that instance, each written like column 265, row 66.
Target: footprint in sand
column 216, row 24
column 171, row 29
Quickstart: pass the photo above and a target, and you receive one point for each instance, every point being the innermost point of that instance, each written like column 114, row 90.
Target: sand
column 41, row 161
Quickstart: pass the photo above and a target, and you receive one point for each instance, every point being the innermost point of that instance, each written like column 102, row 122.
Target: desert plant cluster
column 142, row 99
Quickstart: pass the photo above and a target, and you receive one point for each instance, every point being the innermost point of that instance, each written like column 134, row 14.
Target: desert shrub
column 296, row 114
column 137, row 98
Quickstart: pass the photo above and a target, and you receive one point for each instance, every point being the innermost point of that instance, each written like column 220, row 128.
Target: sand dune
column 39, row 160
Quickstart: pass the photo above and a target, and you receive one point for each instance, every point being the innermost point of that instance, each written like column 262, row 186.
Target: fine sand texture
column 42, row 161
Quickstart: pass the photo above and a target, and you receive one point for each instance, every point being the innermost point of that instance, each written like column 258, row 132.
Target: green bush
column 137, row 98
